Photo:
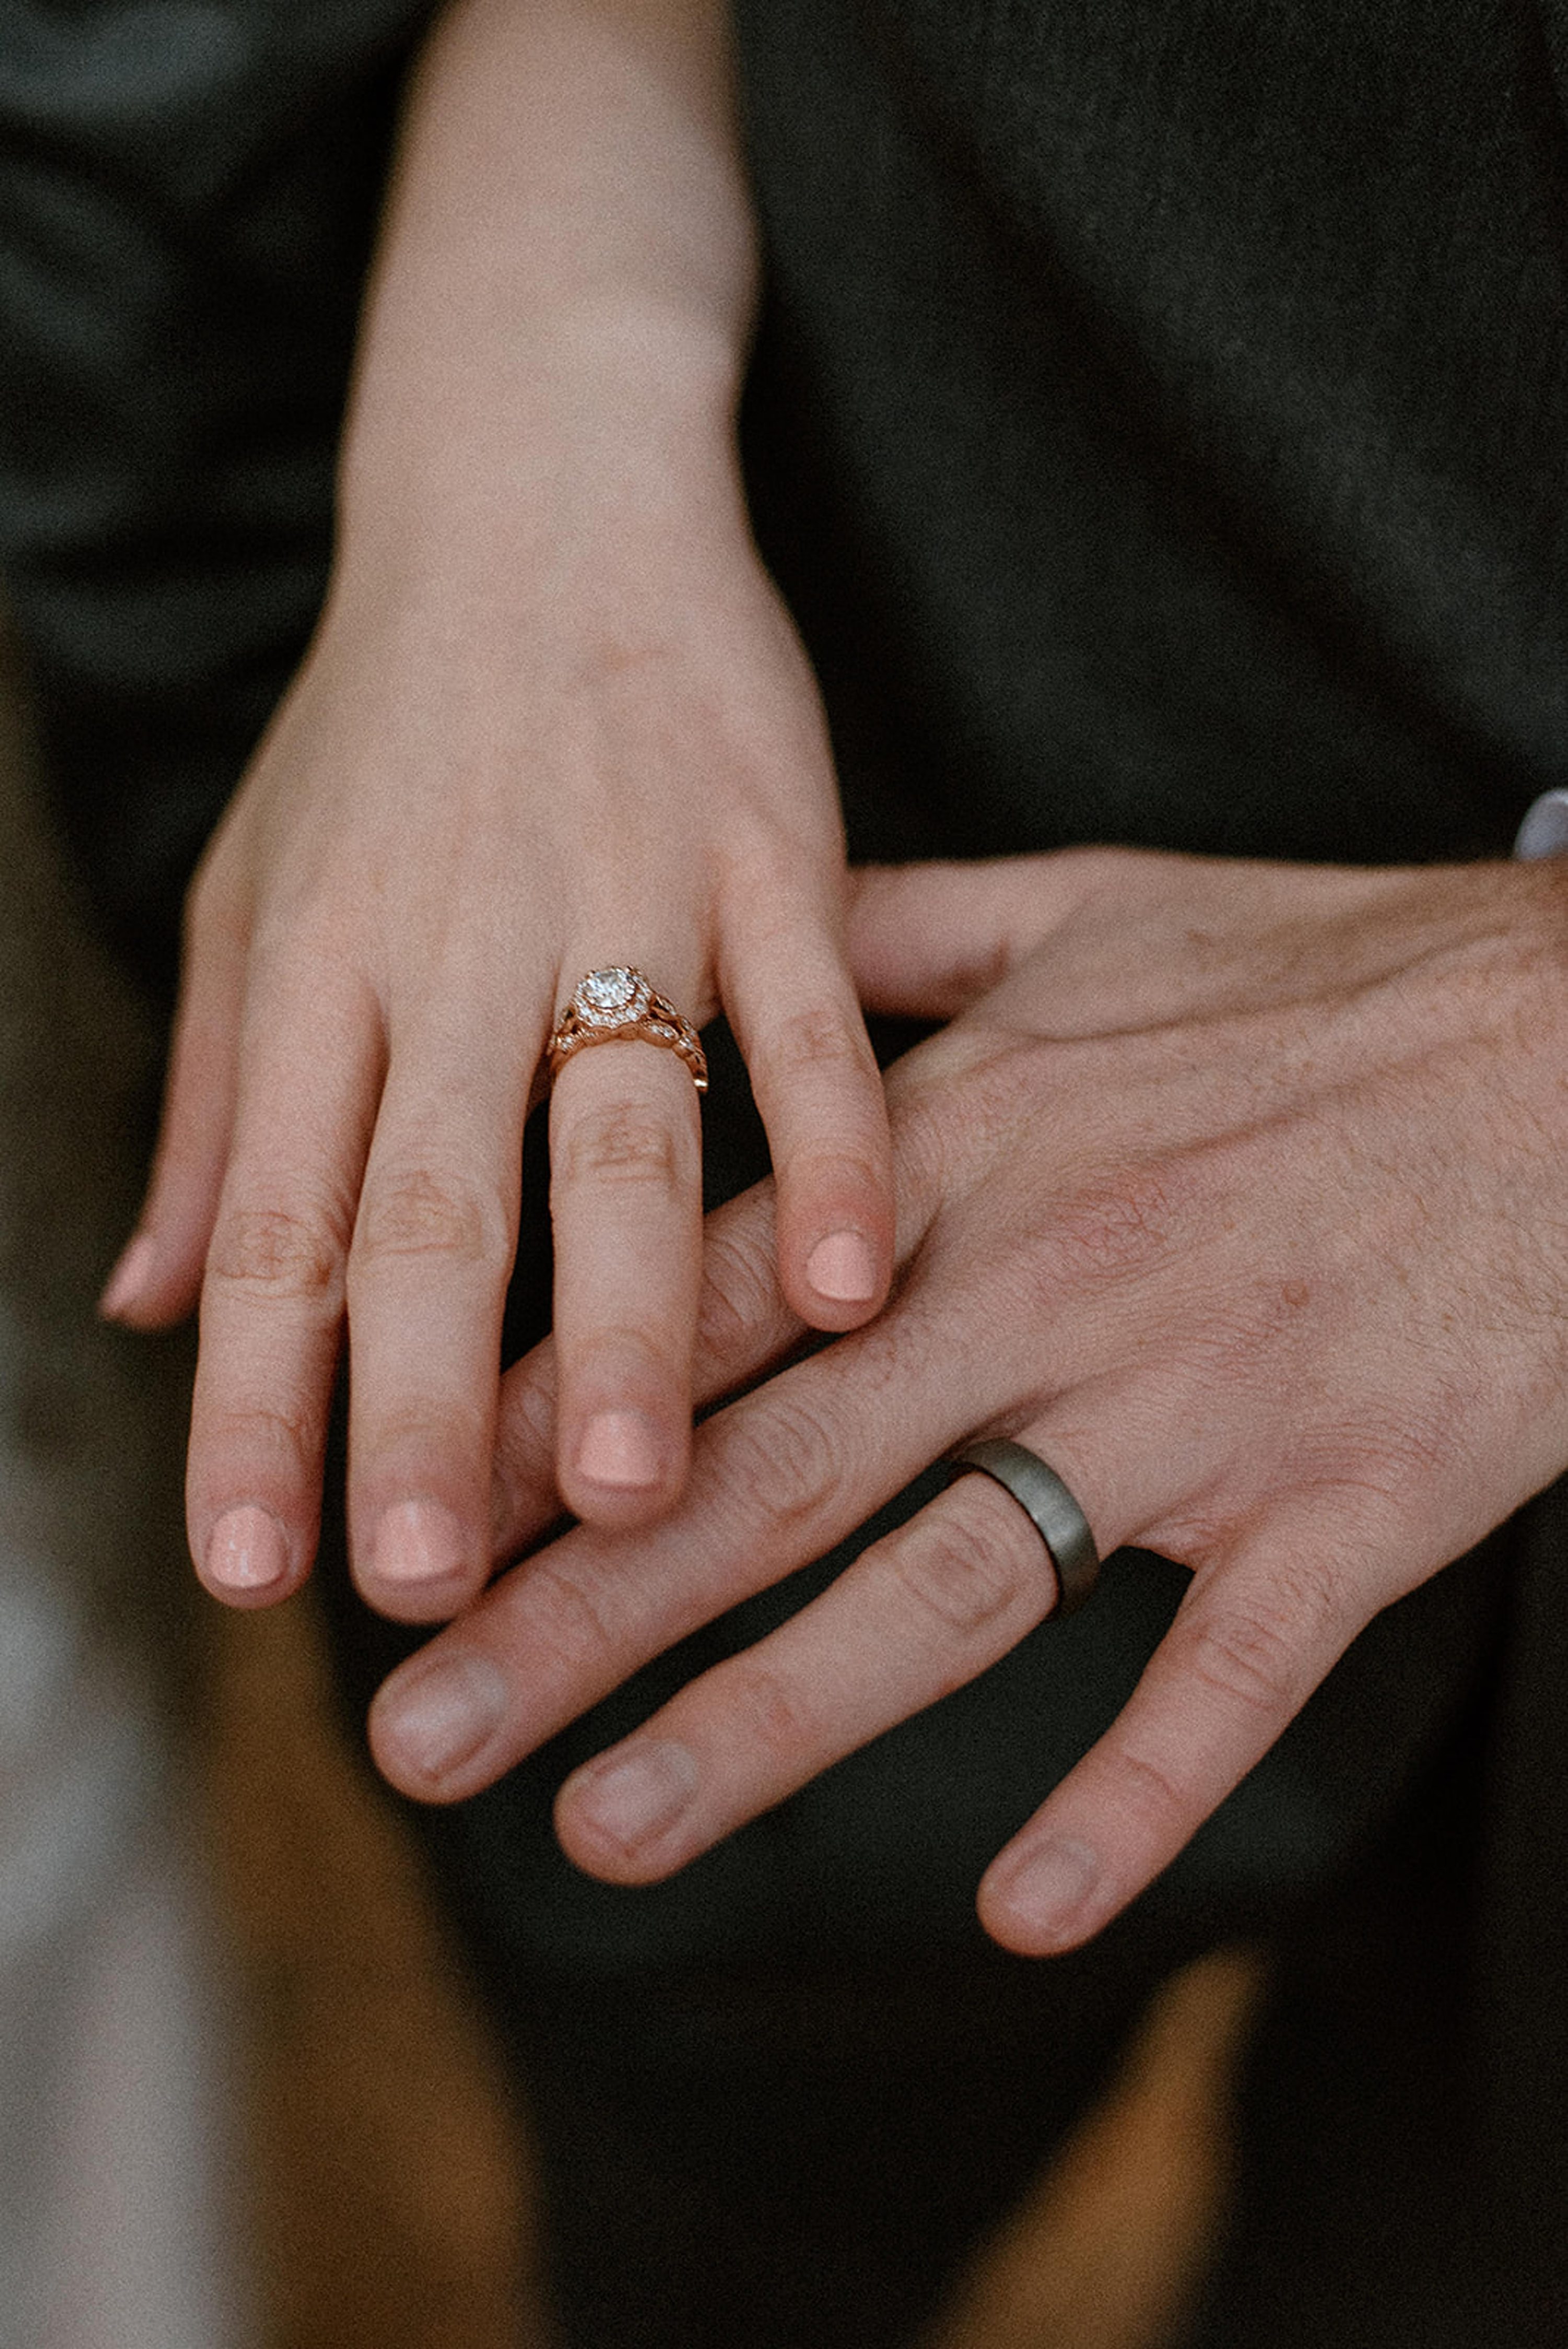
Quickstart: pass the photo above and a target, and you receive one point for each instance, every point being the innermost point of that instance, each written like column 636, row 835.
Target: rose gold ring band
column 619, row 1006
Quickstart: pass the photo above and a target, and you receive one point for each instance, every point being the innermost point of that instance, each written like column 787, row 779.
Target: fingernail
column 844, row 1267
column 1049, row 1888
column 130, row 1277
column 620, row 1448
column 440, row 1717
column 246, row 1549
column 636, row 1794
column 417, row 1541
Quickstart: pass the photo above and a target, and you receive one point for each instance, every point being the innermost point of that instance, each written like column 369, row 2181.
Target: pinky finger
column 157, row 1278
column 1250, row 1643
column 793, row 1008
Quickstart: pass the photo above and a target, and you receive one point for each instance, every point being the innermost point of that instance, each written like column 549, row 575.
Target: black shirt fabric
column 1170, row 412
column 188, row 194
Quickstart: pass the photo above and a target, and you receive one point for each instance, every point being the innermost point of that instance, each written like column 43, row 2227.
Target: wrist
column 602, row 383
column 611, row 450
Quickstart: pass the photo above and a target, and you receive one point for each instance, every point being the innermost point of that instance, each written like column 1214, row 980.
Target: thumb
column 928, row 940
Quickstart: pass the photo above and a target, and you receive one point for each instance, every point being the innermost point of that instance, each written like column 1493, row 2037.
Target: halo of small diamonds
column 611, row 998
column 617, row 1004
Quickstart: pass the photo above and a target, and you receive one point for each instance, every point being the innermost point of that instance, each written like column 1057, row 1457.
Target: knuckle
column 1392, row 1462
column 276, row 1252
column 406, row 1437
column 782, row 1460
column 619, row 1145
column 1250, row 1660
column 267, row 1436
column 571, row 1637
column 820, row 1038
column 1150, row 1792
column 840, row 1182
column 774, row 1714
column 964, row 1576
column 739, row 1297
column 420, row 1212
column 525, row 1429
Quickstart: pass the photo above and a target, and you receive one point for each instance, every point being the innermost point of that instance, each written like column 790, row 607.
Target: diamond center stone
column 605, row 994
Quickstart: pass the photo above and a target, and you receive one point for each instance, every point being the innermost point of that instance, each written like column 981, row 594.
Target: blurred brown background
column 391, row 2196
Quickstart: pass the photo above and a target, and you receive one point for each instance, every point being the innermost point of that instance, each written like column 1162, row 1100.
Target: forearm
column 562, row 302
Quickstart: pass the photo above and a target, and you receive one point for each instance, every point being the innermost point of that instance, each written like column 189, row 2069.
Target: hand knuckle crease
column 269, row 1427
column 276, row 1252
column 455, row 1424
column 619, row 1147
column 1248, row 1660
column 773, row 1714
column 422, row 1214
column 738, row 1298
column 568, row 1622
column 1117, row 1230
column 820, row 1038
column 961, row 1576
column 784, row 1462
column 1149, row 1788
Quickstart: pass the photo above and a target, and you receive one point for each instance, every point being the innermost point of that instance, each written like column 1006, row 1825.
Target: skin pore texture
column 1235, row 1189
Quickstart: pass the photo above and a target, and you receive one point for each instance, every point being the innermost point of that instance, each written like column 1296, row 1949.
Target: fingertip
column 819, row 1091
column 619, row 1816
column 625, row 1468
column 433, row 1720
column 246, row 1559
column 843, row 1270
column 841, row 1283
column 422, row 1564
column 1044, row 1901
column 835, row 1225
column 146, row 1291
column 835, row 1274
column 621, row 1450
column 127, row 1285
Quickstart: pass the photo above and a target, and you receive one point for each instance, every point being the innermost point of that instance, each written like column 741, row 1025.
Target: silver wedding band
column 1050, row 1509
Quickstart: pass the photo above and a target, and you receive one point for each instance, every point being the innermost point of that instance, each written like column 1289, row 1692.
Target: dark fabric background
column 188, row 192
column 1181, row 395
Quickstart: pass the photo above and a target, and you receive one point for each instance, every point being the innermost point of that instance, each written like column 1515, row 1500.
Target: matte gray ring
column 1050, row 1509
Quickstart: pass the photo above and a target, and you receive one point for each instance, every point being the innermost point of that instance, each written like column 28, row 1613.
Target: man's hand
column 1238, row 1192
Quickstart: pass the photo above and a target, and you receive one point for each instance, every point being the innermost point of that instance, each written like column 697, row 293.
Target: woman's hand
column 555, row 719
column 1237, row 1191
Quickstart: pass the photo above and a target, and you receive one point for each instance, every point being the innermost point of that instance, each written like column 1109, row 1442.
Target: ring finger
column 935, row 1602
column 626, row 1158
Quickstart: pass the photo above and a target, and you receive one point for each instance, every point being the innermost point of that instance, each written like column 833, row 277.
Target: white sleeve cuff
column 1544, row 832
